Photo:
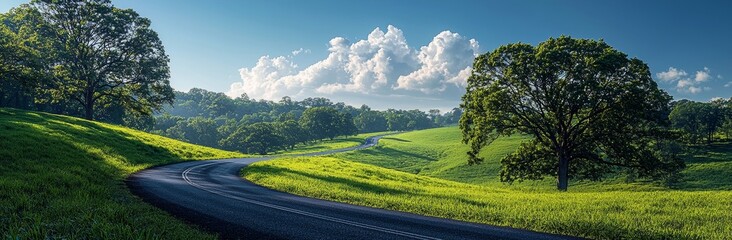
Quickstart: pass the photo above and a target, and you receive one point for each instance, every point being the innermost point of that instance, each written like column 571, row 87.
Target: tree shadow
column 362, row 186
column 392, row 153
column 77, row 164
column 95, row 139
column 396, row 139
column 715, row 152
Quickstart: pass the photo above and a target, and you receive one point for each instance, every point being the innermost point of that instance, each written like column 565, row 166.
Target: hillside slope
column 696, row 208
column 62, row 177
column 439, row 153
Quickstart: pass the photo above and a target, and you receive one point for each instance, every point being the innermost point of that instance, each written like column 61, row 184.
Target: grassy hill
column 425, row 172
column 332, row 144
column 62, row 177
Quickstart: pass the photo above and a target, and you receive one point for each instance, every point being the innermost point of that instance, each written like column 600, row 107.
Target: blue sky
column 416, row 57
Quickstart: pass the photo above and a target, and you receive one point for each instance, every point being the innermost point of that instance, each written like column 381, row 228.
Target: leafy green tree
column 316, row 102
column 24, row 56
column 259, row 138
column 435, row 116
column 588, row 107
column 452, row 117
column 290, row 133
column 320, row 122
column 105, row 52
column 345, row 125
column 697, row 120
column 370, row 121
column 726, row 128
column 197, row 130
column 396, row 121
column 684, row 116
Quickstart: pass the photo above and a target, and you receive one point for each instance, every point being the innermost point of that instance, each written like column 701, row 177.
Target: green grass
column 332, row 144
column 62, row 177
column 425, row 172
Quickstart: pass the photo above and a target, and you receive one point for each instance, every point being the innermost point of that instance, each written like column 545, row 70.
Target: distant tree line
column 262, row 126
column 699, row 122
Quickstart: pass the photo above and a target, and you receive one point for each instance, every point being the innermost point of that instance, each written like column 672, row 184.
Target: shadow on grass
column 53, row 130
column 392, row 153
column 76, row 165
column 715, row 152
column 362, row 186
column 396, row 139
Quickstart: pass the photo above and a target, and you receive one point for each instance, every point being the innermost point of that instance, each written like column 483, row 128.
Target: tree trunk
column 89, row 104
column 89, row 112
column 563, row 178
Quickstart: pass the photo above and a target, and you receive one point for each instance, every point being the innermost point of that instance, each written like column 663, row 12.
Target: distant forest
column 261, row 126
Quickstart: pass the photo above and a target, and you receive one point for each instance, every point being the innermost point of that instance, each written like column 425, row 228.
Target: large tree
column 321, row 122
column 24, row 53
column 589, row 108
column 370, row 121
column 105, row 54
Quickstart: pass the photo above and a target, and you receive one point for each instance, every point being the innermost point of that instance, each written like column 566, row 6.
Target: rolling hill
column 425, row 172
column 62, row 177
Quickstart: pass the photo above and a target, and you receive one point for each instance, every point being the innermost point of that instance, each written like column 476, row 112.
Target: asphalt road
column 212, row 195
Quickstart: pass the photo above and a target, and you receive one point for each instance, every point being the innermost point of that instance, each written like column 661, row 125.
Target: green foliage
column 698, row 120
column 576, row 98
column 371, row 121
column 316, row 119
column 62, row 179
column 321, row 122
column 694, row 208
column 24, row 54
column 260, row 138
column 83, row 57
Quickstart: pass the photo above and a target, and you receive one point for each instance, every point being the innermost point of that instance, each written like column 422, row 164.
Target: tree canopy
column 589, row 108
column 86, row 57
column 699, row 120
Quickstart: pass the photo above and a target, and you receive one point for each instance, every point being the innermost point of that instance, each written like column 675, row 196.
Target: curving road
column 212, row 195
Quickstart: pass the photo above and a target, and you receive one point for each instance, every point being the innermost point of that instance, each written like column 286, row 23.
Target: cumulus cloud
column 729, row 84
column 382, row 65
column 671, row 75
column 684, row 82
column 702, row 76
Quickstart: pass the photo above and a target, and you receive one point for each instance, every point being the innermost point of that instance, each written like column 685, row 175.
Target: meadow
column 425, row 172
column 62, row 177
column 329, row 144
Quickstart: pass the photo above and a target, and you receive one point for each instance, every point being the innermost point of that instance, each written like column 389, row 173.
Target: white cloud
column 380, row 66
column 702, row 76
column 300, row 51
column 671, row 75
column 729, row 84
column 684, row 82
column 694, row 90
column 446, row 60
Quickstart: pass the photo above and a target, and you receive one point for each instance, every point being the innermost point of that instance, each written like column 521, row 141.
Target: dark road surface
column 211, row 195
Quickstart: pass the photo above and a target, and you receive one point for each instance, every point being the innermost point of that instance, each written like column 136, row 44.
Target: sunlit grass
column 425, row 172
column 332, row 144
column 62, row 177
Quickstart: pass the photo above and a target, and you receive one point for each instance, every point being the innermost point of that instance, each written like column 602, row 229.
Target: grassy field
column 425, row 172
column 61, row 177
column 326, row 145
